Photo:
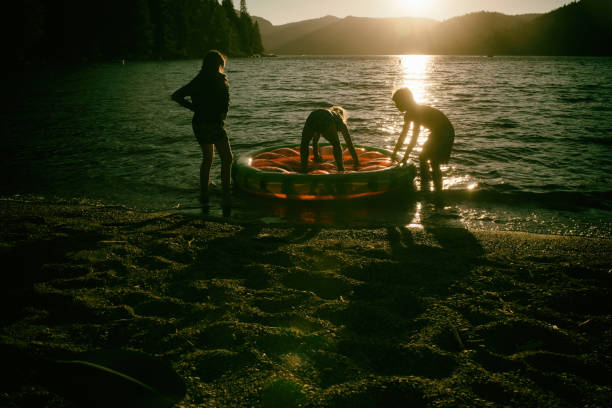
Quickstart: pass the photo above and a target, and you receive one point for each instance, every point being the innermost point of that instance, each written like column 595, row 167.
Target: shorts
column 439, row 145
column 208, row 133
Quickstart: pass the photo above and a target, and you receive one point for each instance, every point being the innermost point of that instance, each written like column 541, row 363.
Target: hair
column 212, row 61
column 339, row 110
column 403, row 95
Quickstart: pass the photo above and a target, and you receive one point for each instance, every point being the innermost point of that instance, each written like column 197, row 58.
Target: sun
column 410, row 8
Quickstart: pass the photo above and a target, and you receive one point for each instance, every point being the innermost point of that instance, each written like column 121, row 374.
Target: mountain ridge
column 578, row 28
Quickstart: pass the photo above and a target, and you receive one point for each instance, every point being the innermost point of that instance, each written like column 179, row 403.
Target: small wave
column 265, row 143
column 505, row 124
column 462, row 96
column 168, row 140
column 602, row 108
column 310, row 104
column 506, row 194
column 577, row 99
column 596, row 140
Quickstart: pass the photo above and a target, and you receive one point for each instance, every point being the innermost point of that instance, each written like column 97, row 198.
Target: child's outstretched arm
column 400, row 140
column 416, row 130
column 179, row 97
column 349, row 143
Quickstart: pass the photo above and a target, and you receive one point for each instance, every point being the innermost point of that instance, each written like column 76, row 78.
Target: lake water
column 532, row 151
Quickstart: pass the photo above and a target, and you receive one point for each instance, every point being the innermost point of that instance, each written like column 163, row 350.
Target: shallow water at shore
column 532, row 151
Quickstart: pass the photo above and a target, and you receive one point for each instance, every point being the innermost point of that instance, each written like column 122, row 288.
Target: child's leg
column 436, row 175
column 307, row 134
column 424, row 174
column 208, row 155
column 331, row 134
column 225, row 153
column 338, row 155
column 424, row 171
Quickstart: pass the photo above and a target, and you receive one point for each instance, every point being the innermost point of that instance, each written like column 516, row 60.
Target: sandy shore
column 305, row 316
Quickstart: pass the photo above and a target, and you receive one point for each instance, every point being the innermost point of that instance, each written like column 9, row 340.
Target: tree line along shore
column 73, row 30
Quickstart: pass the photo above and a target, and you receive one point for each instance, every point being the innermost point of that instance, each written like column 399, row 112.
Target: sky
column 286, row 11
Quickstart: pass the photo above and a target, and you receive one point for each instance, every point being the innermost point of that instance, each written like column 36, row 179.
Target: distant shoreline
column 41, row 64
column 578, row 28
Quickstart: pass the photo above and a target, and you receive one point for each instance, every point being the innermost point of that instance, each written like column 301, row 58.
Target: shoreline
column 402, row 212
column 318, row 316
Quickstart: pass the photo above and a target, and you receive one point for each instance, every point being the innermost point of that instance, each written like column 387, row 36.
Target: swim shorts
column 209, row 133
column 439, row 145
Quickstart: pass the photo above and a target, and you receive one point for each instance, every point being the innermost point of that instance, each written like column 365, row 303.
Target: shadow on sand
column 409, row 313
column 276, row 316
column 342, row 310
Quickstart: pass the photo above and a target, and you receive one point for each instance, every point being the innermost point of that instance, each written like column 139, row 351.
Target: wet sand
column 253, row 315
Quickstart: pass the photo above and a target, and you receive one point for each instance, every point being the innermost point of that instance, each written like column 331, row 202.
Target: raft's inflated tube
column 271, row 173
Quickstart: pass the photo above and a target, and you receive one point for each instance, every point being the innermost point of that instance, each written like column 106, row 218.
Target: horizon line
column 391, row 17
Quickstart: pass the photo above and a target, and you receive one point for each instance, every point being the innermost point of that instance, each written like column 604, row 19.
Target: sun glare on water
column 414, row 74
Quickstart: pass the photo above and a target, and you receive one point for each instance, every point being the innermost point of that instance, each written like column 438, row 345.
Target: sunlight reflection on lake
column 416, row 220
column 532, row 133
column 416, row 70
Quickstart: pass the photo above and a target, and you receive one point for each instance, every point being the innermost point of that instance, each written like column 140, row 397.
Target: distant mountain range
column 579, row 28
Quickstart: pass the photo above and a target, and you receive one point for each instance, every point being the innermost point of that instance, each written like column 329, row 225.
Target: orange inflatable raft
column 274, row 172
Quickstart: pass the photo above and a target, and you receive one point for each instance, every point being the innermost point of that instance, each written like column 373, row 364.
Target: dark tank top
column 210, row 97
column 321, row 119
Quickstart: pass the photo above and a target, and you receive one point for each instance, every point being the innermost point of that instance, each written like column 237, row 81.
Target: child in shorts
column 210, row 100
column 437, row 148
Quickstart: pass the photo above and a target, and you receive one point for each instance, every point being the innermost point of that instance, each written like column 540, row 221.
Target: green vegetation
column 142, row 29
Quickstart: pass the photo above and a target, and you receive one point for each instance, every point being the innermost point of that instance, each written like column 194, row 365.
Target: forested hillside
column 124, row 29
column 274, row 37
column 579, row 28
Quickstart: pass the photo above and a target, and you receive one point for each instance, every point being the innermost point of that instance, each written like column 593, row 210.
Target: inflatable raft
column 274, row 172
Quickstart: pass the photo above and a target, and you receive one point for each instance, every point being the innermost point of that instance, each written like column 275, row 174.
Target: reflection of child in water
column 326, row 123
column 436, row 149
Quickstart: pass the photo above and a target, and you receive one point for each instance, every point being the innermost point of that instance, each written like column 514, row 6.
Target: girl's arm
column 179, row 97
column 225, row 98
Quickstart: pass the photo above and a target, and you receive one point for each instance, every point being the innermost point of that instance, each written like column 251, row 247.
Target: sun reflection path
column 414, row 74
column 415, row 70
column 416, row 220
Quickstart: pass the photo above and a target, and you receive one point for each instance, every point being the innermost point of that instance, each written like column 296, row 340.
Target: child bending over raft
column 210, row 100
column 437, row 148
column 326, row 123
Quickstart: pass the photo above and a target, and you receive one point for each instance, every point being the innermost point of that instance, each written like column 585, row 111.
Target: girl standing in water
column 209, row 94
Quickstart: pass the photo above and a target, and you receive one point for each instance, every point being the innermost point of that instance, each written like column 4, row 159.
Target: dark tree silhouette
column 132, row 29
